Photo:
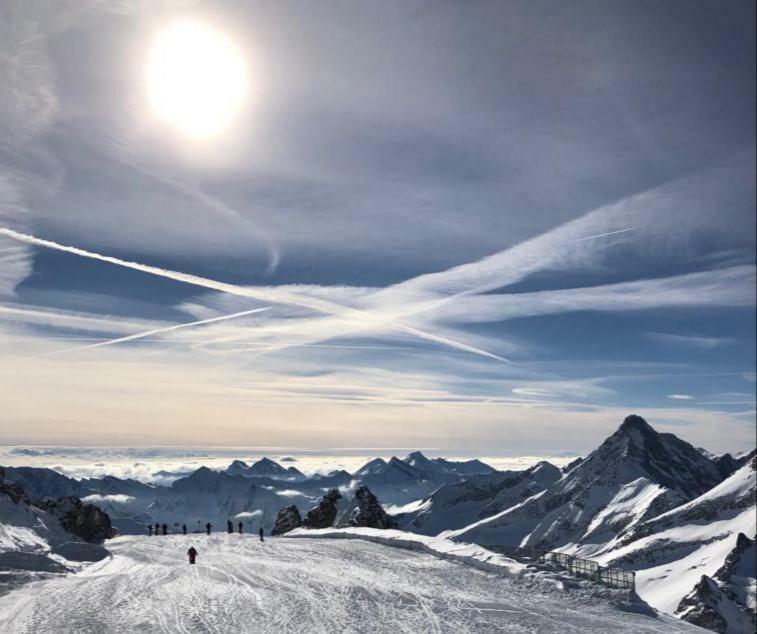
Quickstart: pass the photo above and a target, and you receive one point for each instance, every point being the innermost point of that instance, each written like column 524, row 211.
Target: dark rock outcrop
column 323, row 515
column 572, row 464
column 719, row 603
column 86, row 521
column 727, row 464
column 700, row 606
column 365, row 510
column 288, row 519
column 13, row 491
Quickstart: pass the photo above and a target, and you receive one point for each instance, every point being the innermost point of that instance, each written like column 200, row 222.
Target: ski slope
column 301, row 585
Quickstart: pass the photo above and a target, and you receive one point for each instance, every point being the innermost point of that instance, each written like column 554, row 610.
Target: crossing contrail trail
column 602, row 235
column 272, row 295
column 155, row 331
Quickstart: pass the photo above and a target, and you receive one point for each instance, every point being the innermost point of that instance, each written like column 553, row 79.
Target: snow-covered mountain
column 215, row 497
column 458, row 504
column 40, row 482
column 265, row 468
column 52, row 538
column 634, row 475
column 672, row 551
column 398, row 482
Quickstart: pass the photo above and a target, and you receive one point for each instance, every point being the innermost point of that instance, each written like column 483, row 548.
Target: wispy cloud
column 680, row 397
column 692, row 341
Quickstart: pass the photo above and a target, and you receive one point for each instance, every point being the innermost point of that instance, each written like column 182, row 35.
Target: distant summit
column 634, row 474
column 264, row 468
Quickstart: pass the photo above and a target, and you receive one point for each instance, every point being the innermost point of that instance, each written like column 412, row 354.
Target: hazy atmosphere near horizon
column 487, row 228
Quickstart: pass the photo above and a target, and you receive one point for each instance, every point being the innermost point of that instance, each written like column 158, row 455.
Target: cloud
column 692, row 341
column 265, row 294
column 248, row 514
column 112, row 499
column 287, row 493
column 680, row 397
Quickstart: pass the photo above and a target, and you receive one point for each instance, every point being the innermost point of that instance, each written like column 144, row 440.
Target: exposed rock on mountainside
column 36, row 541
column 86, row 521
column 727, row 464
column 572, row 464
column 365, row 510
column 288, row 519
column 725, row 602
column 323, row 515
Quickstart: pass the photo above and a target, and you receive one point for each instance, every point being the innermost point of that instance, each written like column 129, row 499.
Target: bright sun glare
column 197, row 78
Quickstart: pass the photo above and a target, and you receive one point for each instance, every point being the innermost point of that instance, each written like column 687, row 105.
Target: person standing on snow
column 192, row 552
column 150, row 527
column 260, row 532
column 240, row 528
column 157, row 529
column 184, row 528
column 165, row 529
column 208, row 526
column 229, row 526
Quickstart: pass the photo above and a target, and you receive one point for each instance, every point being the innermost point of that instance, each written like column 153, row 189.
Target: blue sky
column 493, row 227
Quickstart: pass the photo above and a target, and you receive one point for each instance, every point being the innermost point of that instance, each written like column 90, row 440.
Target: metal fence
column 585, row 568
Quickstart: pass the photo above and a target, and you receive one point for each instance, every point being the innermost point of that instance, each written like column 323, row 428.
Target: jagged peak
column 265, row 461
column 417, row 455
column 202, row 471
column 375, row 462
column 637, row 423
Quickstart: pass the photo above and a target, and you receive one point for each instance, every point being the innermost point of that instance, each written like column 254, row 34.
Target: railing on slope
column 578, row 566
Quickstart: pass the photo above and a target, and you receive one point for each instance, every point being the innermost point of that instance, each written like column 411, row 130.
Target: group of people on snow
column 162, row 529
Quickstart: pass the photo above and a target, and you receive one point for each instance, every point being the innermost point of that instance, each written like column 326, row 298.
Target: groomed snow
column 301, row 585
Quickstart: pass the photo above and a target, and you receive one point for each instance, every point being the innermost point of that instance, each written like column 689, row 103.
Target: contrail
column 274, row 257
column 272, row 295
column 602, row 235
column 155, row 331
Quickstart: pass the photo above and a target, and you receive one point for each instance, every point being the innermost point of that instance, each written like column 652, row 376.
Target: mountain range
column 682, row 519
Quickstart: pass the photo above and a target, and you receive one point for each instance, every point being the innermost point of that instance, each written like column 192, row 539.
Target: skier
column 229, row 527
column 165, row 529
column 240, row 528
column 150, row 527
column 184, row 528
column 261, row 534
column 192, row 552
column 157, row 529
column 208, row 526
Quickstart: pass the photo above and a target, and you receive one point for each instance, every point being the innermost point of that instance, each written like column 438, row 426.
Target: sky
column 485, row 228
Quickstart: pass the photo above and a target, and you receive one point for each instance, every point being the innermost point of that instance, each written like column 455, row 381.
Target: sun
column 197, row 78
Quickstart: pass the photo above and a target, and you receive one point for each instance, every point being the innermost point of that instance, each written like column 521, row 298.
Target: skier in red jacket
column 192, row 554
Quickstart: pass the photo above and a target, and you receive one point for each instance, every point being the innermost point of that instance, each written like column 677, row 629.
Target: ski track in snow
column 298, row 585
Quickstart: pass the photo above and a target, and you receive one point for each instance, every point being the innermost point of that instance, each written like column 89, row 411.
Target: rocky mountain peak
column 288, row 519
column 365, row 510
column 323, row 515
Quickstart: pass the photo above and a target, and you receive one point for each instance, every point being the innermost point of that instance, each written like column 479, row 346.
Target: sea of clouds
column 163, row 465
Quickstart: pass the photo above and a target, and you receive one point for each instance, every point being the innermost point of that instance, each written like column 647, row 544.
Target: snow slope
column 673, row 550
column 301, row 585
column 33, row 542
